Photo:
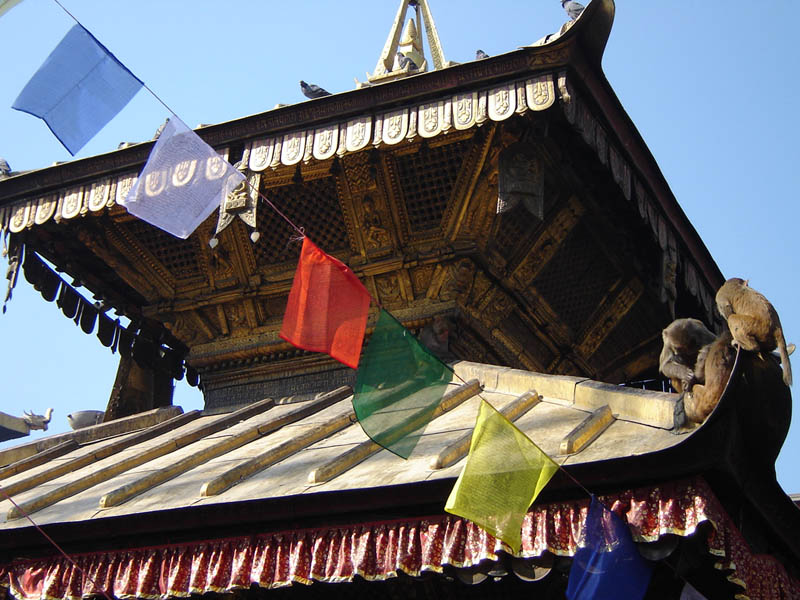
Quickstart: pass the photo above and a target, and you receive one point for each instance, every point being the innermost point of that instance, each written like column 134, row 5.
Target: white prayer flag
column 183, row 182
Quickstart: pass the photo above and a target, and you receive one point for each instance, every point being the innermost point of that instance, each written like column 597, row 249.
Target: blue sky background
column 713, row 95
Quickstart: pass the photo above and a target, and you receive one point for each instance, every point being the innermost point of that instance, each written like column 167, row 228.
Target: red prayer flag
column 327, row 308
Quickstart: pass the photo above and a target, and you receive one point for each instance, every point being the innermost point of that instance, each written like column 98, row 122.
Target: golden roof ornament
column 403, row 54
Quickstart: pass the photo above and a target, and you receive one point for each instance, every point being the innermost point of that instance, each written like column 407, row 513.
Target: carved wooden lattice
column 313, row 205
column 427, row 179
column 519, row 331
column 634, row 326
column 514, row 226
column 576, row 279
column 180, row 257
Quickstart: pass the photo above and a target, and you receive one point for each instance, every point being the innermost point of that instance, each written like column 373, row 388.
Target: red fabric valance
column 379, row 550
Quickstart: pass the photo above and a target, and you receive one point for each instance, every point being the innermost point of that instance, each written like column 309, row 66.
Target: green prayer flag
column 504, row 473
column 399, row 384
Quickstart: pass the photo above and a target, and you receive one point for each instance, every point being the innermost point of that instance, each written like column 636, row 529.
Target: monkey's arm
column 672, row 367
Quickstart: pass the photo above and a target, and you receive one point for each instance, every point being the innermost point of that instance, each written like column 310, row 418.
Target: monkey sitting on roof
column 683, row 339
column 753, row 321
column 712, row 371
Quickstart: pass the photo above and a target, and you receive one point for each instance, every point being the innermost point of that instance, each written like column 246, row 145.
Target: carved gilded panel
column 45, row 209
column 293, row 147
column 395, row 126
column 99, row 195
column 465, row 110
column 72, row 203
column 502, row 102
column 540, row 92
column 326, row 141
column 431, row 118
column 124, row 185
column 389, row 289
column 19, row 217
column 261, row 154
column 359, row 132
column 421, row 279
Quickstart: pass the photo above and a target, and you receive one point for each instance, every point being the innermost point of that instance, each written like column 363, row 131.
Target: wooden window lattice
column 313, row 205
column 427, row 178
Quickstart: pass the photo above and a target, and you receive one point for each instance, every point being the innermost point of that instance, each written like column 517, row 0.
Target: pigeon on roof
column 5, row 170
column 480, row 54
column 404, row 61
column 312, row 91
column 574, row 9
column 160, row 129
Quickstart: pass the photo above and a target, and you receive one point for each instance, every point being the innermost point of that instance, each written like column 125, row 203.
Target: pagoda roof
column 545, row 75
column 170, row 475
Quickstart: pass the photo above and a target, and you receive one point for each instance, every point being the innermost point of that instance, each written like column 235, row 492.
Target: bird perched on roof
column 405, row 61
column 480, row 54
column 312, row 91
column 160, row 129
column 574, row 9
column 5, row 170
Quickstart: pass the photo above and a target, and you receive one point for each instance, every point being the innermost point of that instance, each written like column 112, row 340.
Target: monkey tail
column 785, row 364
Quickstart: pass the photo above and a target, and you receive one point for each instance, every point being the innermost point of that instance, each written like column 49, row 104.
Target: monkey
column 714, row 366
column 683, row 339
column 753, row 321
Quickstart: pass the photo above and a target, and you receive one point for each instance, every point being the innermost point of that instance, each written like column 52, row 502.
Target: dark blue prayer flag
column 78, row 89
column 607, row 564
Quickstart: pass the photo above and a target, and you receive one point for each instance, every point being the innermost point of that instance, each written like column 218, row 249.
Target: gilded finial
column 403, row 54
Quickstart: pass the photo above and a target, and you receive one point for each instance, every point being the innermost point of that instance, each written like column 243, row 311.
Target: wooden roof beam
column 366, row 449
column 238, row 474
column 459, row 449
column 104, row 474
column 38, row 459
column 151, row 480
column 587, row 431
column 103, row 452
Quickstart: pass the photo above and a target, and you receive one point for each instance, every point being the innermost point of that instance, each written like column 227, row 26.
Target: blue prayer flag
column 78, row 89
column 607, row 564
column 183, row 182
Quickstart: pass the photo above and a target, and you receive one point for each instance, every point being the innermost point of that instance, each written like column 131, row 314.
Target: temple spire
column 404, row 37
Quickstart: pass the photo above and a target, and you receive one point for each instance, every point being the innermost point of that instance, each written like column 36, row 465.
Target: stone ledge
column 656, row 409
column 505, row 380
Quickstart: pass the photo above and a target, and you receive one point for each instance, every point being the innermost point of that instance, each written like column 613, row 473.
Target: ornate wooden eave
column 400, row 180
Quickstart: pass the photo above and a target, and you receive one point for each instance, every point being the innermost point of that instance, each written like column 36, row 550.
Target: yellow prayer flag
column 505, row 471
column 7, row 5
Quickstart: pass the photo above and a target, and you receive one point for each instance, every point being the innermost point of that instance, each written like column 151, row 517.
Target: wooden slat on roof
column 366, row 449
column 187, row 463
column 74, row 487
column 459, row 449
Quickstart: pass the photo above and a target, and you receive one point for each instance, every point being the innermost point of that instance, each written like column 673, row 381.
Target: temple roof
column 177, row 460
column 301, row 477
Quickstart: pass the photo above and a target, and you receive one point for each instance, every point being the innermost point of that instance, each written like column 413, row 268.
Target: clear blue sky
column 713, row 95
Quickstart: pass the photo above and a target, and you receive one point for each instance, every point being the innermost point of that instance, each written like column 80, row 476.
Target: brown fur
column 714, row 363
column 683, row 339
column 753, row 321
